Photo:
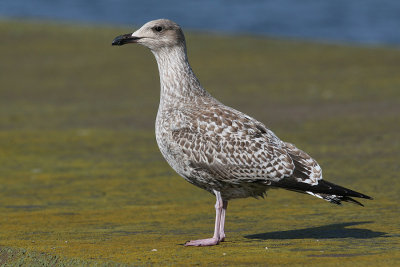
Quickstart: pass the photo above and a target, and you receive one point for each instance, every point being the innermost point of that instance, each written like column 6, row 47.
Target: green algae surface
column 82, row 181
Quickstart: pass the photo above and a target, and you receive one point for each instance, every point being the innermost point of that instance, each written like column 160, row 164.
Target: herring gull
column 216, row 147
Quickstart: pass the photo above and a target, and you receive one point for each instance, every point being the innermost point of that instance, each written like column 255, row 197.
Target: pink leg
column 219, row 234
column 222, row 222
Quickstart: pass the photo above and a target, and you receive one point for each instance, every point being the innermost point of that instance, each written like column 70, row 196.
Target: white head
column 156, row 35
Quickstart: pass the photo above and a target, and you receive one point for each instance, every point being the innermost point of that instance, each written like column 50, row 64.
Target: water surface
column 356, row 21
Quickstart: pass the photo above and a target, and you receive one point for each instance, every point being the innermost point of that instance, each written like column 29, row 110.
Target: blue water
column 352, row 21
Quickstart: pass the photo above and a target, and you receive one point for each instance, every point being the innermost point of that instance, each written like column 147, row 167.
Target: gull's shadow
column 336, row 230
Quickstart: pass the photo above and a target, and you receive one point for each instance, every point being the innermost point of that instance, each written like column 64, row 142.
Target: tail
column 324, row 190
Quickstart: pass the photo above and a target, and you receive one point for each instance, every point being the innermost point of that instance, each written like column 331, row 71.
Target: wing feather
column 307, row 170
column 233, row 147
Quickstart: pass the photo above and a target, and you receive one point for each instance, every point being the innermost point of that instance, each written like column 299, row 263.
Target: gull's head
column 156, row 35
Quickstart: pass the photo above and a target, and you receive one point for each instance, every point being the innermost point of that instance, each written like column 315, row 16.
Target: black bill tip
column 125, row 39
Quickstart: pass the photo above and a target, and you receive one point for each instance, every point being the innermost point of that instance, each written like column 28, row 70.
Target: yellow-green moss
column 83, row 183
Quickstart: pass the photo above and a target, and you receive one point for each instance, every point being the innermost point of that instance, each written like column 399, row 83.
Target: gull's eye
column 158, row 28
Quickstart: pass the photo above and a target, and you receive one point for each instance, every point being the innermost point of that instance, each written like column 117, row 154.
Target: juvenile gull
column 218, row 148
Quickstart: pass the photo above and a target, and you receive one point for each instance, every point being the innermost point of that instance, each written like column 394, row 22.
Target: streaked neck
column 178, row 82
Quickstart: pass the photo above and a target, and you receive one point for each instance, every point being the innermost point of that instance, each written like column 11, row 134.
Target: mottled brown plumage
column 216, row 147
